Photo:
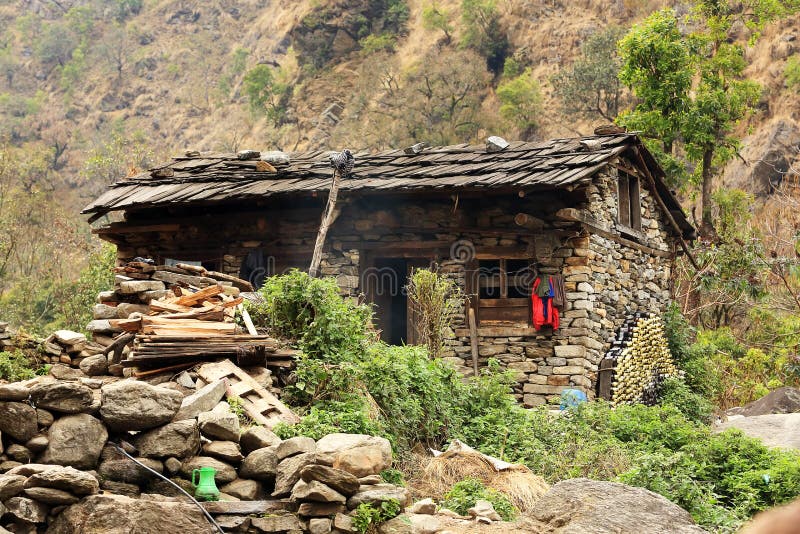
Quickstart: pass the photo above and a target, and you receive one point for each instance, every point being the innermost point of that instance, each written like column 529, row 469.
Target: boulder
column 319, row 525
column 782, row 400
column 117, row 514
column 130, row 287
column 379, row 493
column 317, row 492
column 203, row 400
column 246, row 490
column 774, row 430
column 51, row 496
column 44, row 418
column 27, row 470
column 18, row 420
column 135, row 405
column 68, row 337
column 11, row 486
column 412, row 524
column 359, row 454
column 345, row 483
column 485, row 509
column 343, row 523
column 96, row 365
column 225, row 473
column 75, row 440
column 424, row 506
column 62, row 397
column 220, row 423
column 320, row 509
column 261, row 464
column 172, row 465
column 37, row 443
column 125, row 470
column 257, row 437
column 26, row 509
column 64, row 478
column 294, row 446
column 288, row 472
column 278, row 523
column 121, row 488
column 14, row 392
column 180, row 439
column 227, row 451
column 19, row 453
column 233, row 523
column 583, row 506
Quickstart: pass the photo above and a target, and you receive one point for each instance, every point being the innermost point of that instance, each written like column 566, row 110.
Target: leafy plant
column 435, row 298
column 16, row 366
column 436, row 18
column 484, row 32
column 521, row 102
column 792, row 71
column 469, row 491
column 266, row 94
column 393, row 476
column 368, row 516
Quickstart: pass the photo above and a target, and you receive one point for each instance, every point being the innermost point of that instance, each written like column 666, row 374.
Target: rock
column 261, row 464
column 343, row 522
column 378, row 493
column 65, row 372
column 257, row 437
column 11, row 486
column 342, row 481
column 125, row 470
column 172, row 465
column 101, row 326
column 50, row 496
column 134, row 405
column 68, row 337
column 774, row 430
column 62, row 397
column 120, row 488
column 320, row 509
column 180, row 439
column 18, row 420
column 583, row 506
column 38, row 443
column 233, row 523
column 104, row 311
column 7, row 466
column 44, row 418
column 225, row 473
column 319, row 525
column 75, row 440
column 227, row 451
column 96, row 365
column 185, row 379
column 14, row 392
column 411, row 524
column 358, row 454
column 782, row 400
column 64, row 478
column 26, row 509
column 277, row 523
column 485, row 509
column 203, row 400
column 293, row 446
column 370, row 480
column 117, row 514
column 130, row 287
column 316, row 491
column 288, row 472
column 447, row 513
column 125, row 309
column 27, row 470
column 246, row 490
column 220, row 423
column 19, row 453
column 424, row 506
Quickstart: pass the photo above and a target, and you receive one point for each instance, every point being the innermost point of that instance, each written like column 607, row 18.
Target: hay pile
column 517, row 482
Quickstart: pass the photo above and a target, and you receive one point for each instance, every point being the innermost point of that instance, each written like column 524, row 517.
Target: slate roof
column 220, row 177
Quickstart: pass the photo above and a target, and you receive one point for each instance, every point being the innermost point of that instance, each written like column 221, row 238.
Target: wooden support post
column 248, row 322
column 528, row 221
column 473, row 338
column 327, row 219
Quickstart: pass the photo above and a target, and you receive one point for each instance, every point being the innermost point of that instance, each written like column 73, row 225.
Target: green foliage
column 676, row 392
column 311, row 311
column 393, row 476
column 369, row 515
column 463, row 496
column 266, row 94
column 76, row 298
column 436, row 18
column 521, row 102
column 384, row 42
column 16, row 366
column 435, row 299
column 792, row 71
column 116, row 155
column 484, row 32
column 591, row 87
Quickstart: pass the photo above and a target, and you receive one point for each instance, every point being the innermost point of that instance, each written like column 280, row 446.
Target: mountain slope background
column 92, row 90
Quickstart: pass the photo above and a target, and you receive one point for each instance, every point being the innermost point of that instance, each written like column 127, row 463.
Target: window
column 502, row 289
column 630, row 202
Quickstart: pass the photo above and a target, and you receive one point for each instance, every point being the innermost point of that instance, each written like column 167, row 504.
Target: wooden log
column 473, row 338
column 327, row 219
column 528, row 221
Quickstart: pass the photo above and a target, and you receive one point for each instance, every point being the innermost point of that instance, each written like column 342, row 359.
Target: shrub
column 484, row 32
column 435, row 299
column 676, row 392
column 466, row 493
column 384, row 42
column 369, row 515
column 521, row 102
column 15, row 366
column 792, row 71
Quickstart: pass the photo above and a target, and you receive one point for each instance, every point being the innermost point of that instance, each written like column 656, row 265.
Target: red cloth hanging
column 544, row 313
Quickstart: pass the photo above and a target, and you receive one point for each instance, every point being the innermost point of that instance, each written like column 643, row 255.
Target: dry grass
column 434, row 477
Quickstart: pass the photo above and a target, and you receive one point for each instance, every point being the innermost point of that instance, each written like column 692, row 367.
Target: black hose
column 159, row 475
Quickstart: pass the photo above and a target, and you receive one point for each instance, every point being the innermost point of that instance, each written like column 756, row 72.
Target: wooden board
column 261, row 405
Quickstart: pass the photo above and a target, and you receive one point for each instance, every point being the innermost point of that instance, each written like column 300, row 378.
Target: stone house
column 594, row 210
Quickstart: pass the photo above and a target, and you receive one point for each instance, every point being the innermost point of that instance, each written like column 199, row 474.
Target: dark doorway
column 388, row 283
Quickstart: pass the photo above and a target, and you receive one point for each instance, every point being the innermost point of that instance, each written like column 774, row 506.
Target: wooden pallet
column 261, row 405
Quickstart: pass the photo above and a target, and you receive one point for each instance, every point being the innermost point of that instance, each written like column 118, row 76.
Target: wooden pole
column 327, row 219
column 528, row 221
column 473, row 338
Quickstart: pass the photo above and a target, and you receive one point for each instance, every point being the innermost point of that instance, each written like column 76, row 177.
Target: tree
column 521, row 102
column 591, row 87
column 484, row 32
column 265, row 94
column 436, row 18
column 691, row 86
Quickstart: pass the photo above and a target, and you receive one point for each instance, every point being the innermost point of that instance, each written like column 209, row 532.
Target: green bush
column 16, row 366
column 369, row 515
column 466, row 493
column 676, row 392
column 372, row 43
column 792, row 71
